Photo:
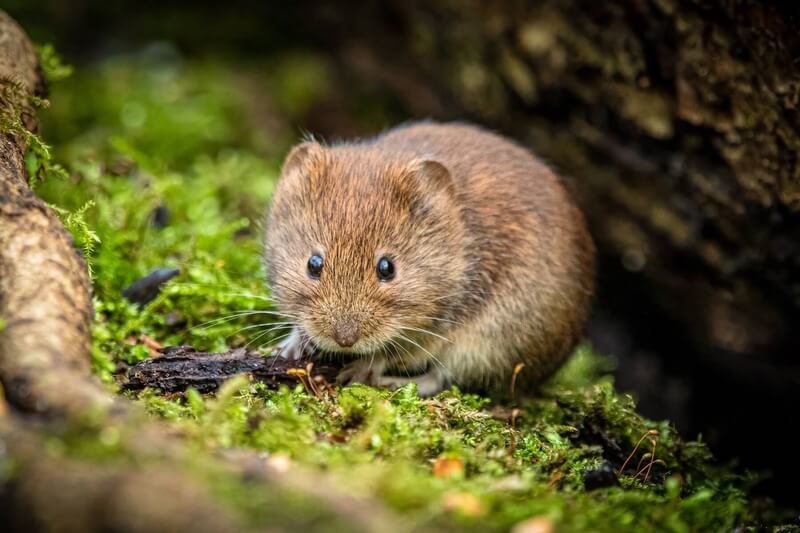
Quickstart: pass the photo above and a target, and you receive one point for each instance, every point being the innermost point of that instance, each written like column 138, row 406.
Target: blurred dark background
column 675, row 123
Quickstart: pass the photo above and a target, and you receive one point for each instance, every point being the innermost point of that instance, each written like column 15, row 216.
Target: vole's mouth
column 333, row 343
column 328, row 345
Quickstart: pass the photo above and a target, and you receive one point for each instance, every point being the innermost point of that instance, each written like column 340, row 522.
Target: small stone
column 147, row 288
column 160, row 216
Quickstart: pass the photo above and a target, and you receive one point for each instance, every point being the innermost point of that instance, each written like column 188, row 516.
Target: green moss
column 14, row 100
column 150, row 131
column 53, row 66
column 386, row 444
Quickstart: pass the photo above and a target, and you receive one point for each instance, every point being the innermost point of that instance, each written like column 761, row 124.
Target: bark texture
column 44, row 290
column 677, row 125
column 180, row 367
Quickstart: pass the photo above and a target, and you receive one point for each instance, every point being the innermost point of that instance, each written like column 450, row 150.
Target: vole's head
column 362, row 245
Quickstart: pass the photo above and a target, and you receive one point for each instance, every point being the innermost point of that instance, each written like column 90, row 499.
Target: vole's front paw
column 429, row 384
column 294, row 347
column 367, row 371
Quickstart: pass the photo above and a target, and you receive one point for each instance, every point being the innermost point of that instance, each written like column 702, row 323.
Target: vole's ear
column 433, row 173
column 301, row 156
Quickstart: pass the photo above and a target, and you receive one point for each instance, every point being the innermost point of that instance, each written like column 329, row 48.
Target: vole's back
column 531, row 262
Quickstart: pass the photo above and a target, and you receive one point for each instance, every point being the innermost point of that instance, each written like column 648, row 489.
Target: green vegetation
column 171, row 165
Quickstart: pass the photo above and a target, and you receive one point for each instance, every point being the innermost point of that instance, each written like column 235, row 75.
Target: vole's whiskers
column 267, row 331
column 260, row 335
column 423, row 330
column 186, row 284
column 306, row 343
column 272, row 326
column 436, row 319
column 433, row 357
column 398, row 357
column 240, row 314
column 274, row 342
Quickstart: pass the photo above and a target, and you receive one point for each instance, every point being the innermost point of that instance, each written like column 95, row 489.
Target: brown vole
column 438, row 253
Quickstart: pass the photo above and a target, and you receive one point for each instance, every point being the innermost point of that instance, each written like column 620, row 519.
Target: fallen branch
column 180, row 367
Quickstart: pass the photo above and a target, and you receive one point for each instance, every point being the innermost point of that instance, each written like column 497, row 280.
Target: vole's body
column 494, row 265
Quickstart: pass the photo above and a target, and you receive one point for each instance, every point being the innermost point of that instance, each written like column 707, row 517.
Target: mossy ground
column 171, row 164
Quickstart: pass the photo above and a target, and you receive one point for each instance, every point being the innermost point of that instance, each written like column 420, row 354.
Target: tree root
column 152, row 482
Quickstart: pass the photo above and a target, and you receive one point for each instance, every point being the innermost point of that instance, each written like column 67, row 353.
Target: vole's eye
column 315, row 263
column 385, row 269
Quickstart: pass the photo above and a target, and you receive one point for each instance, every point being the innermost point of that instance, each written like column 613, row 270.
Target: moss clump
column 168, row 170
column 394, row 445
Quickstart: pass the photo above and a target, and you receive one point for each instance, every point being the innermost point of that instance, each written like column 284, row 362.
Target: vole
column 439, row 253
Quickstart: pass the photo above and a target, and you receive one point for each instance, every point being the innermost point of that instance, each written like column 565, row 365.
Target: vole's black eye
column 385, row 269
column 315, row 263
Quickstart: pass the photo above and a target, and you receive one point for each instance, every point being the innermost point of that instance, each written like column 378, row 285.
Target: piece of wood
column 180, row 367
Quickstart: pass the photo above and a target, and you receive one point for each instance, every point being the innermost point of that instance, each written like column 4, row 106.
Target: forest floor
column 171, row 164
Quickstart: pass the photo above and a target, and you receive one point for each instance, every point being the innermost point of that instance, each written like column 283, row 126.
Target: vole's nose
column 345, row 333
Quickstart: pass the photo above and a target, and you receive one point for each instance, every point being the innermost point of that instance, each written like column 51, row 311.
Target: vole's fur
column 494, row 265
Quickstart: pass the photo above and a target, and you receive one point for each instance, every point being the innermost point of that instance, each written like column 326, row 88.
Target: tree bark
column 676, row 124
column 44, row 291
